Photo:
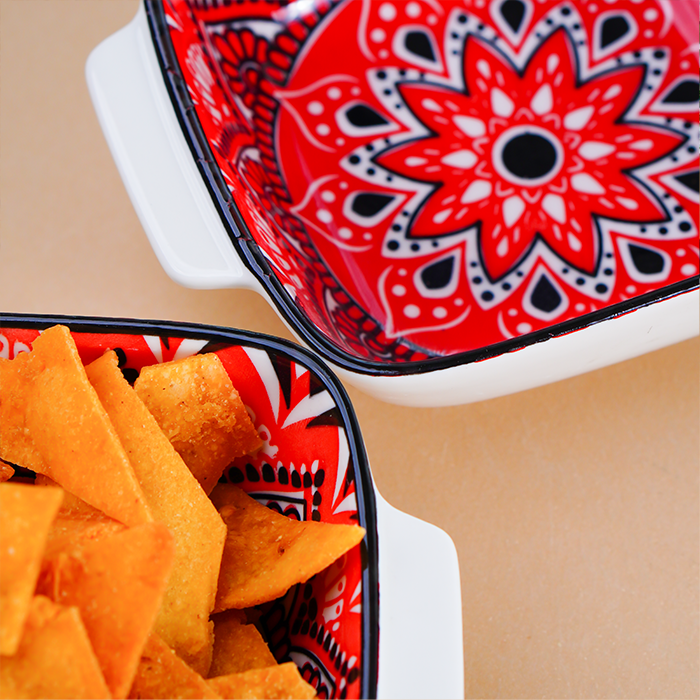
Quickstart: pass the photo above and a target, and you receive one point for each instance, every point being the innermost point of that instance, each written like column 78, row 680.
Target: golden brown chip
column 72, row 506
column 69, row 533
column 176, row 499
column 162, row 674
column 26, row 514
column 200, row 412
column 238, row 646
column 270, row 683
column 16, row 445
column 76, row 524
column 54, row 658
column 117, row 583
column 6, row 471
column 52, row 422
column 266, row 553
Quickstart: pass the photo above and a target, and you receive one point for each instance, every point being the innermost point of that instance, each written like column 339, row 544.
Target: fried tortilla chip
column 238, row 646
column 117, row 583
column 54, row 658
column 26, row 514
column 16, row 445
column 72, row 506
column 76, row 524
column 266, row 553
column 270, row 683
column 6, row 471
column 176, row 499
column 52, row 422
column 162, row 674
column 69, row 532
column 200, row 412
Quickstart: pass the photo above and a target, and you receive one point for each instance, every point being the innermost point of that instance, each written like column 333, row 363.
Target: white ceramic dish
column 404, row 587
column 195, row 243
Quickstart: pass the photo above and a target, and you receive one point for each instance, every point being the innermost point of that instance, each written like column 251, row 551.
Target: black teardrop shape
column 690, row 180
column 364, row 116
column 330, row 417
column 316, row 386
column 419, row 44
column 439, row 274
column 283, row 369
column 683, row 93
column 370, row 203
column 613, row 29
column 647, row 261
column 513, row 12
column 544, row 296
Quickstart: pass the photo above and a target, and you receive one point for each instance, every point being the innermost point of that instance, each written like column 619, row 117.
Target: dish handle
column 156, row 165
column 420, row 609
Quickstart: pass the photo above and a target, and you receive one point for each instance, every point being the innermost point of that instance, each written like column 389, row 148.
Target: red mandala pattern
column 528, row 134
column 430, row 178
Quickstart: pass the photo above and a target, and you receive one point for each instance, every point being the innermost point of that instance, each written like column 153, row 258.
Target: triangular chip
column 72, row 506
column 76, row 524
column 266, row 553
column 52, row 422
column 26, row 514
column 238, row 646
column 54, row 658
column 176, row 499
column 16, row 445
column 117, row 583
column 270, row 683
column 69, row 533
column 200, row 412
column 163, row 674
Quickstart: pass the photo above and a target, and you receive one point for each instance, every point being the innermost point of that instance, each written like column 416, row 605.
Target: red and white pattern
column 427, row 177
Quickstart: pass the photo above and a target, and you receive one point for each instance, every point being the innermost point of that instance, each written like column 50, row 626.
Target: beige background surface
column 574, row 507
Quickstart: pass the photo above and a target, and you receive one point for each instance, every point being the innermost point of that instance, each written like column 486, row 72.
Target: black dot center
column 529, row 156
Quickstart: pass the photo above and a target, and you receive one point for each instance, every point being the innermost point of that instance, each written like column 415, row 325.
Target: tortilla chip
column 69, row 533
column 72, row 505
column 270, row 683
column 6, row 471
column 266, row 553
column 176, row 499
column 54, row 658
column 201, row 414
column 238, row 646
column 26, row 513
column 16, row 445
column 52, row 422
column 117, row 583
column 162, row 674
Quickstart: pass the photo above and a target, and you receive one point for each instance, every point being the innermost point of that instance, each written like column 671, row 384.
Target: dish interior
column 311, row 467
column 427, row 179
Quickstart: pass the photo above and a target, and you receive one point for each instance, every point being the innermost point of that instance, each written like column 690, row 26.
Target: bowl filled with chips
column 447, row 201
column 188, row 511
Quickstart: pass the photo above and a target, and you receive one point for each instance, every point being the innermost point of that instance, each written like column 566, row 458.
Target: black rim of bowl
column 249, row 252
column 366, row 503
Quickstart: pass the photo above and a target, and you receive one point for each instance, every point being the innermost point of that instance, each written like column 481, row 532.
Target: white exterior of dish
column 420, row 611
column 191, row 243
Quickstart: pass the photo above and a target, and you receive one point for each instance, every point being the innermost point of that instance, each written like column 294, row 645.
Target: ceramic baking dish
column 385, row 620
column 446, row 201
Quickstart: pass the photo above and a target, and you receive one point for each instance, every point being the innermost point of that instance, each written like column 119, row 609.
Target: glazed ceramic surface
column 312, row 467
column 427, row 179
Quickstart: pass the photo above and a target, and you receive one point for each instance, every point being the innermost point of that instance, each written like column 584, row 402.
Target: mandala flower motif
column 242, row 55
column 531, row 154
column 427, row 178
